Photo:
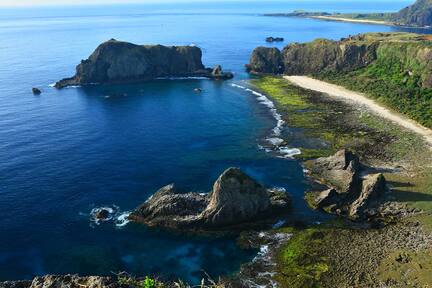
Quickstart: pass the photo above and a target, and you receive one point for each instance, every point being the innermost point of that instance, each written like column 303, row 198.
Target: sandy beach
column 332, row 18
column 358, row 98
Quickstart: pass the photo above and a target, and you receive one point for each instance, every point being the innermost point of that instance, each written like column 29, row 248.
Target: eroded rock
column 350, row 194
column 235, row 198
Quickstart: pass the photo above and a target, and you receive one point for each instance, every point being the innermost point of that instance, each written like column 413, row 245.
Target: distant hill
column 418, row 14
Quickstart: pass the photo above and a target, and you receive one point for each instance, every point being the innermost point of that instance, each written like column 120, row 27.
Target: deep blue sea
column 68, row 151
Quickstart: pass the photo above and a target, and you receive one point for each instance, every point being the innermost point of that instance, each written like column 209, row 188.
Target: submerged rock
column 236, row 198
column 350, row 194
column 36, row 91
column 122, row 62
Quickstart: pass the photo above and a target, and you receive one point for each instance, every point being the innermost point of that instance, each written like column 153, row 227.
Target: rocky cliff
column 117, row 62
column 411, row 52
column 419, row 14
column 235, row 199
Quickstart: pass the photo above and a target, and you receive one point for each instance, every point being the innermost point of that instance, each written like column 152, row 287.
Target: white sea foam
column 122, row 220
column 119, row 218
column 52, row 85
column 289, row 152
column 182, row 78
column 274, row 139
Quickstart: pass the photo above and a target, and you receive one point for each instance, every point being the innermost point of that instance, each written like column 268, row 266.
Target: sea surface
column 67, row 152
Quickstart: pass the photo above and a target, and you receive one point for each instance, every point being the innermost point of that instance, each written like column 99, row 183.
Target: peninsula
column 417, row 15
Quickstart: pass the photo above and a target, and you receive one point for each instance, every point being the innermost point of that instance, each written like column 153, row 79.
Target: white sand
column 358, row 98
column 332, row 18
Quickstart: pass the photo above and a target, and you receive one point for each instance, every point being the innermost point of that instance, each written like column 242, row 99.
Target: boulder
column 36, row 91
column 235, row 198
column 102, row 214
column 122, row 62
column 218, row 73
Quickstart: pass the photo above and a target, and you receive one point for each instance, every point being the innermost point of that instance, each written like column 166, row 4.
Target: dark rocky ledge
column 236, row 200
column 121, row 62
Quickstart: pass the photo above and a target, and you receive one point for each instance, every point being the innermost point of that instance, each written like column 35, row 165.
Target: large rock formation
column 117, row 62
column 235, row 199
column 419, row 14
column 350, row 194
column 412, row 52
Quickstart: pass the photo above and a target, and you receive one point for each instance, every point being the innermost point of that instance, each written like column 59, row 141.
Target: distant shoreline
column 365, row 21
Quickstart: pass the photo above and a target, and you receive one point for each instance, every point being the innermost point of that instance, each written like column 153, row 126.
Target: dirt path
column 358, row 98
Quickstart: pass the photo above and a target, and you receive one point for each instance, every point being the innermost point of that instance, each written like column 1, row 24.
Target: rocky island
column 418, row 14
column 122, row 62
column 236, row 199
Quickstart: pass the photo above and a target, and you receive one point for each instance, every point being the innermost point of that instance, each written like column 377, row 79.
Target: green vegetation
column 323, row 126
column 301, row 262
column 147, row 282
column 386, row 17
column 396, row 79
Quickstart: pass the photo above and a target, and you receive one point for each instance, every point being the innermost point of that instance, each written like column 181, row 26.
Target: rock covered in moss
column 235, row 198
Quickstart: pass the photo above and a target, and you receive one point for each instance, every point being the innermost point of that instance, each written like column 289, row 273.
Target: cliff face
column 116, row 62
column 418, row 14
column 411, row 53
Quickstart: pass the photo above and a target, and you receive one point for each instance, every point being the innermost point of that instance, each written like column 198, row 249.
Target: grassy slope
column 395, row 78
column 335, row 125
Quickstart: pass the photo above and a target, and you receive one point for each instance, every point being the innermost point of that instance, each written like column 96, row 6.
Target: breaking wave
column 274, row 142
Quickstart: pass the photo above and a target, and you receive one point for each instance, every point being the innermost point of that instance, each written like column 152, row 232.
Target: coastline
column 359, row 98
column 341, row 19
column 400, row 154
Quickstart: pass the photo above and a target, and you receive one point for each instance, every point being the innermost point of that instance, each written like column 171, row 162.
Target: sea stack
column 235, row 199
column 122, row 62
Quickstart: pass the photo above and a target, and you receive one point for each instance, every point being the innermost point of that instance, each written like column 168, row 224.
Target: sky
column 13, row 3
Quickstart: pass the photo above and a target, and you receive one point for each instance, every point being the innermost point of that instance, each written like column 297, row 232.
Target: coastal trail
column 358, row 98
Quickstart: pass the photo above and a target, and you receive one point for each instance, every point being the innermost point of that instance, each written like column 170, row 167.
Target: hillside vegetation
column 394, row 68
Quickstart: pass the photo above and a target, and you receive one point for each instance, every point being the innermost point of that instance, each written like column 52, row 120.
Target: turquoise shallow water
column 67, row 152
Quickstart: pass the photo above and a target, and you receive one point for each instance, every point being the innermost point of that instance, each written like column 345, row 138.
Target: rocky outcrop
column 64, row 281
column 235, row 198
column 266, row 60
column 119, row 62
column 274, row 39
column 36, row 91
column 419, row 14
column 350, row 194
column 412, row 52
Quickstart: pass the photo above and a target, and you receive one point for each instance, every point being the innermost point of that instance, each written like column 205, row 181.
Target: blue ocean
column 67, row 152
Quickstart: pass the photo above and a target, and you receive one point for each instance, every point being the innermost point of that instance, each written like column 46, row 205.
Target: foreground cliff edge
column 122, row 62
